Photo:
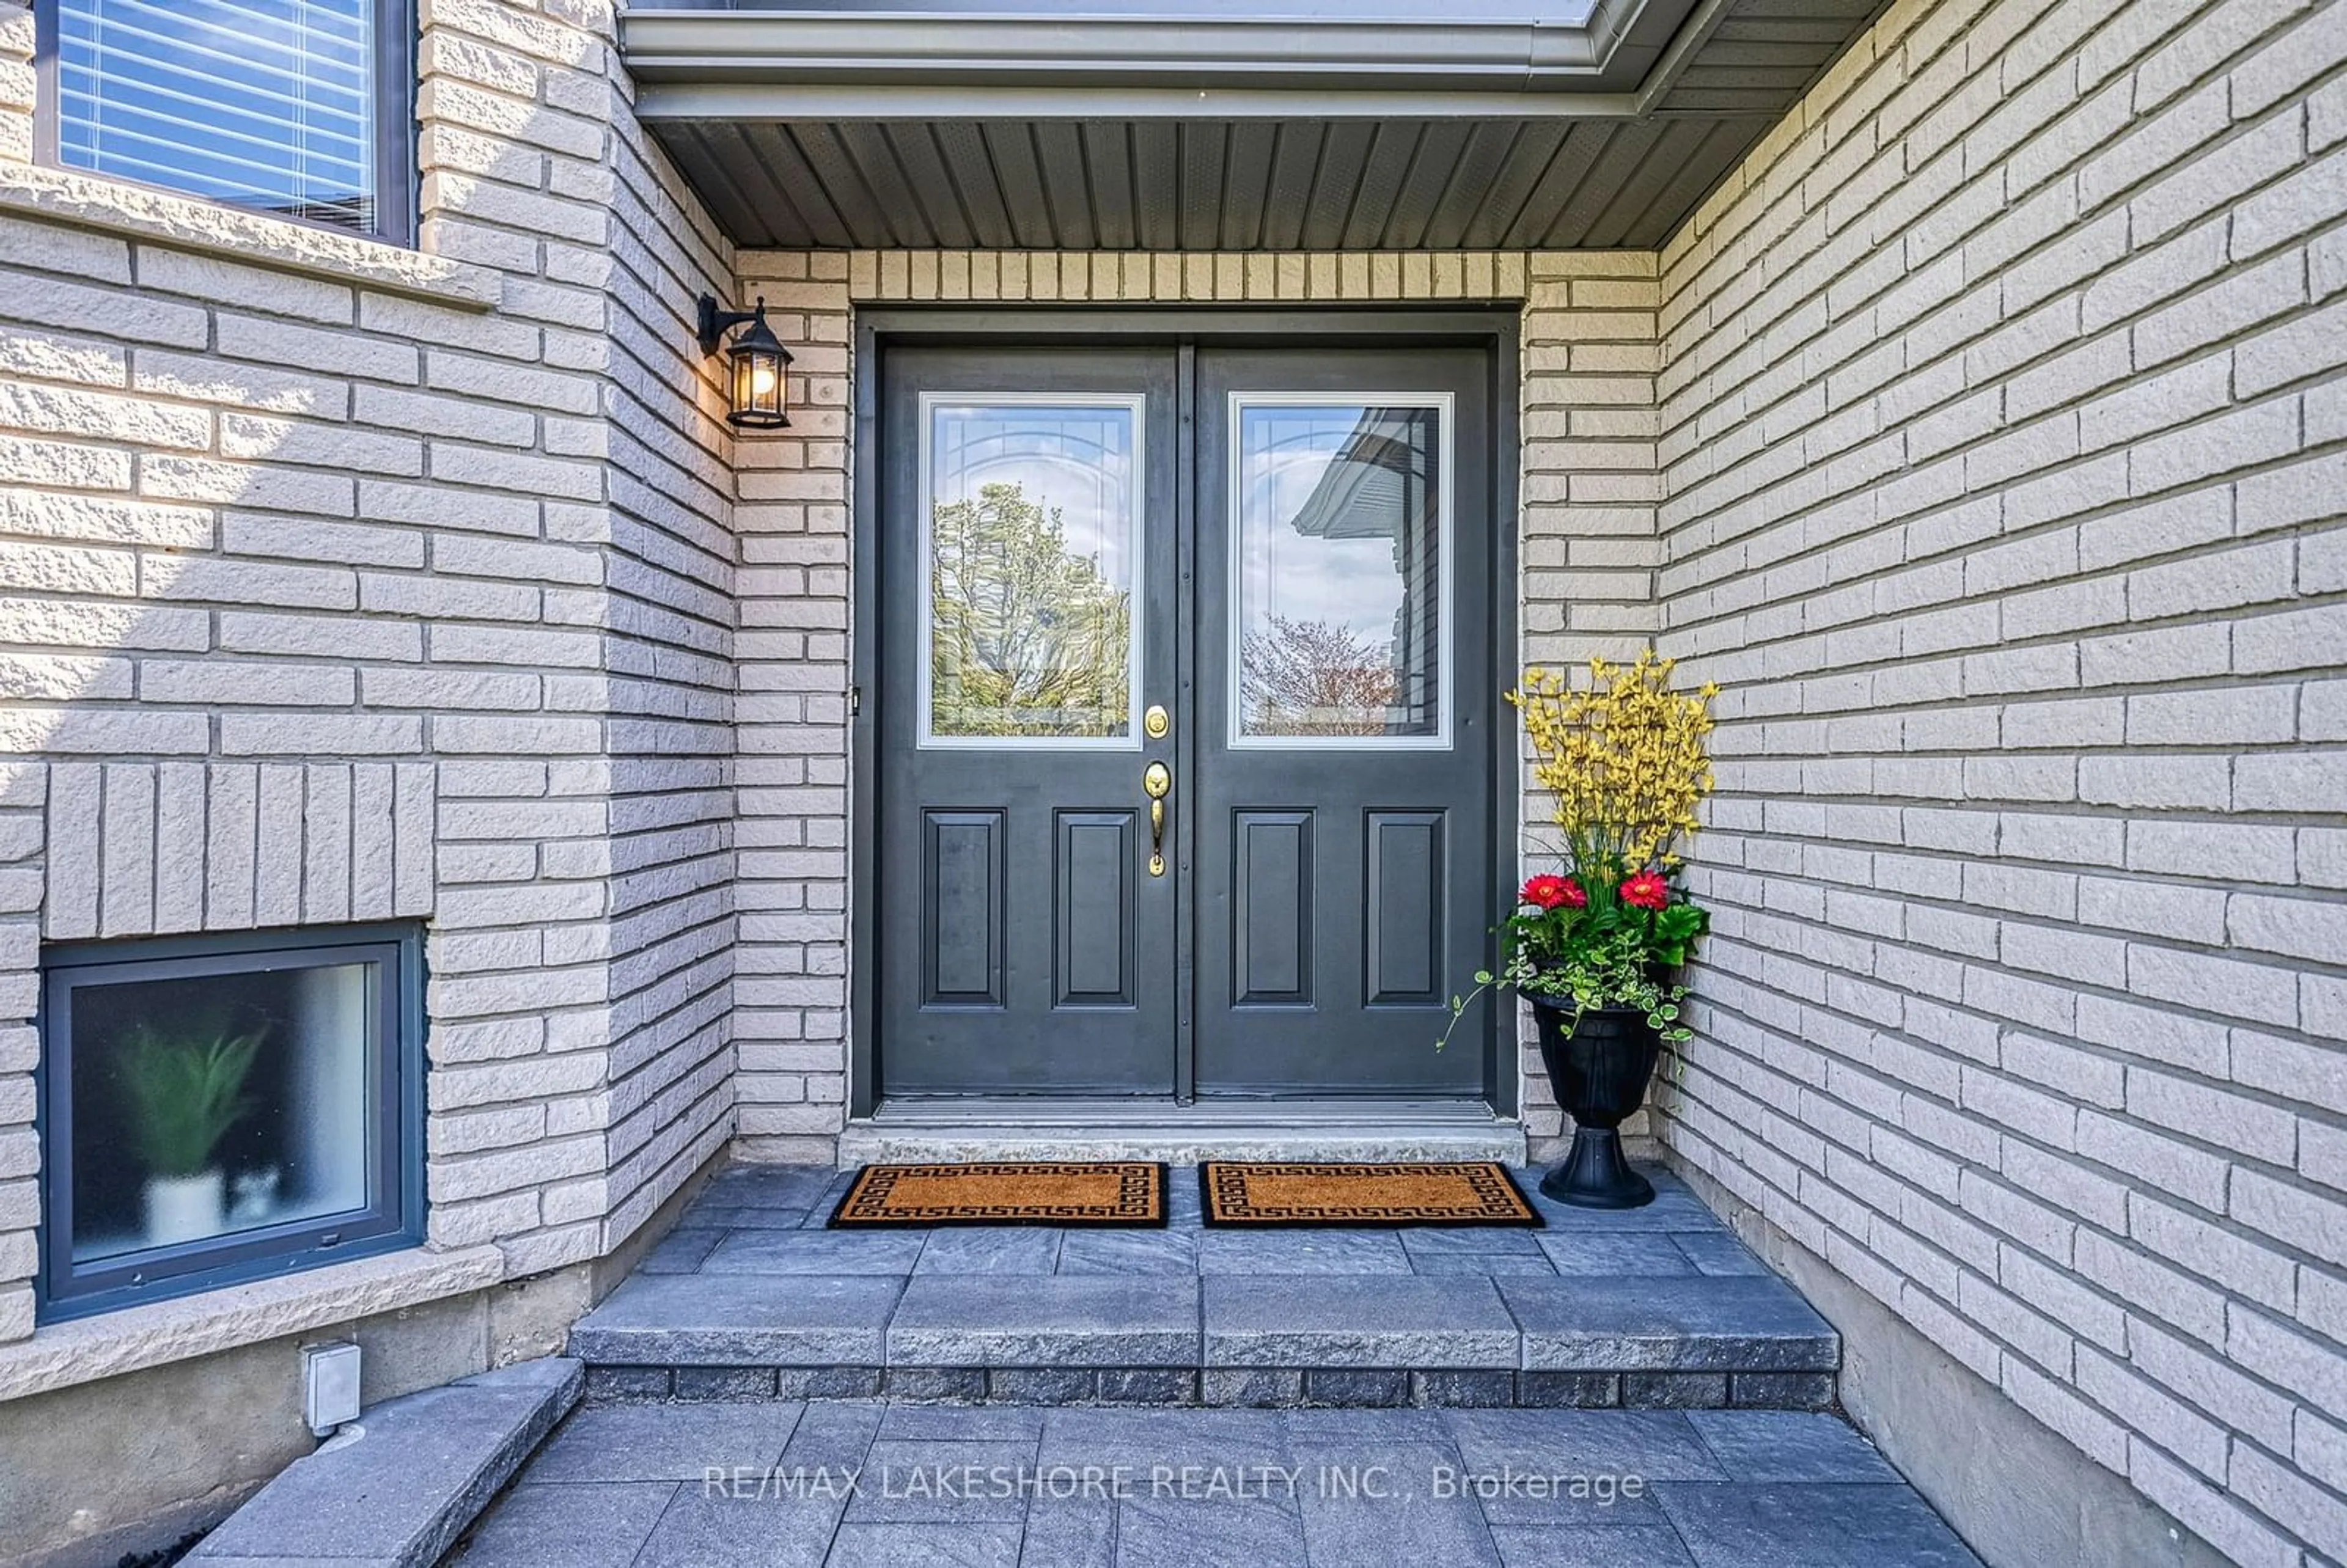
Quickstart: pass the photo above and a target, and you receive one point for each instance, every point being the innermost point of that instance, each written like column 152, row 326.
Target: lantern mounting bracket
column 715, row 322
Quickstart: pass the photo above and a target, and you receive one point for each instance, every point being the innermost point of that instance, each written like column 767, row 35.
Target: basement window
column 216, row 1109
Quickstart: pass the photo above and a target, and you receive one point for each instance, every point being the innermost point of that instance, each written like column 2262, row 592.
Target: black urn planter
column 1599, row 1069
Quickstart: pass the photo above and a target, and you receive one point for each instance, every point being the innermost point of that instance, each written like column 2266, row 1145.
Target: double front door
column 1185, row 749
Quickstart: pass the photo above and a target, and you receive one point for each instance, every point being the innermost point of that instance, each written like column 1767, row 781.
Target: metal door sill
column 1059, row 1111
column 1041, row 1129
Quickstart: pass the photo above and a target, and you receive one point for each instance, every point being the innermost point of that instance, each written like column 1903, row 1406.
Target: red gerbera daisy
column 1646, row 890
column 1548, row 892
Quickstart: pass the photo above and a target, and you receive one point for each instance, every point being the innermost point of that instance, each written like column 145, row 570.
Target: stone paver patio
column 750, row 1297
column 898, row 1486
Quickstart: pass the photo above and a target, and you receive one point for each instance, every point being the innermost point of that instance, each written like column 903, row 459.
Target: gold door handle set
column 1156, row 783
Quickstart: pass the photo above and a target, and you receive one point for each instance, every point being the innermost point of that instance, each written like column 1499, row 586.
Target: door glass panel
column 1033, row 557
column 1338, row 566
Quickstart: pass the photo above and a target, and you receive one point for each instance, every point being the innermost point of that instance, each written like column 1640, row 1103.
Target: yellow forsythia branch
column 1624, row 756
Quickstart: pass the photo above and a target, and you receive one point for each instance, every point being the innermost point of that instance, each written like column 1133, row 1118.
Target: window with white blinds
column 272, row 104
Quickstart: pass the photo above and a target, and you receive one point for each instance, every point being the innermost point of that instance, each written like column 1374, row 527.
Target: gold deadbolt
column 1154, row 722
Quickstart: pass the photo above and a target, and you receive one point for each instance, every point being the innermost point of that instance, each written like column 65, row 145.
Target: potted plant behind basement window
column 1596, row 946
column 187, row 1093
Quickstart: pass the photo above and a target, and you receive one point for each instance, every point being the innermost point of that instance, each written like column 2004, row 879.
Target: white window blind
column 268, row 103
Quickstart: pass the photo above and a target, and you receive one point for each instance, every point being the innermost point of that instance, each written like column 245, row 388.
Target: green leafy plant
column 1625, row 760
column 185, row 1092
column 1600, row 946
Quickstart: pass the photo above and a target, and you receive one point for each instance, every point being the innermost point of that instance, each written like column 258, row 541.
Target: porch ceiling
column 856, row 123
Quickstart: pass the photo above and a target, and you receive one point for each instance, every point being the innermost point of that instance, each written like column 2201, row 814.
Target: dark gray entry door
column 1265, row 573
column 1344, row 773
column 1029, row 593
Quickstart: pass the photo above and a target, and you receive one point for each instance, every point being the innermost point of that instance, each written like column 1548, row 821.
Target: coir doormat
column 1264, row 1194
column 1005, row 1192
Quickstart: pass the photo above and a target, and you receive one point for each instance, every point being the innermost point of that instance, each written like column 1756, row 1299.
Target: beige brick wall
column 327, row 593
column 1984, row 436
column 1587, row 532
column 2005, row 450
column 670, row 617
column 791, row 661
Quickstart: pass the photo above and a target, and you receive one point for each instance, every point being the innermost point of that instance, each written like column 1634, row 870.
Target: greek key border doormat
column 1130, row 1192
column 1264, row 1194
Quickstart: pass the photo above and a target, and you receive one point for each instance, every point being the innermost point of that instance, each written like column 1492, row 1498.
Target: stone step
column 395, row 1488
column 1358, row 1130
column 854, row 1328
column 1659, row 1306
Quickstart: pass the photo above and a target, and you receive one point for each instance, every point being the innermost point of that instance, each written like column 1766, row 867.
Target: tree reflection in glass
column 1316, row 678
column 1027, row 636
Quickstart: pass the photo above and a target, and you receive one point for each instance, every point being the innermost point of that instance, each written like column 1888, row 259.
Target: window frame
column 397, row 218
column 1135, row 404
column 392, row 1219
column 1444, row 406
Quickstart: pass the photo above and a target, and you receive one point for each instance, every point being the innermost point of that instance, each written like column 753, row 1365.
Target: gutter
column 800, row 63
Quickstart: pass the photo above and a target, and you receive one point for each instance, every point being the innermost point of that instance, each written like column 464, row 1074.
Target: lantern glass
column 760, row 383
column 757, row 366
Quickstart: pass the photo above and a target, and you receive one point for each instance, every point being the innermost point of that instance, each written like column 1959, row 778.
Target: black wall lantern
column 759, row 371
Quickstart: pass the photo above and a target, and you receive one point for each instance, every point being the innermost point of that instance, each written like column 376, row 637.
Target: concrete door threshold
column 1039, row 1129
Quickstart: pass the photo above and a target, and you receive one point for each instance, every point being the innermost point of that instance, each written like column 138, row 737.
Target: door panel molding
column 962, row 897
column 1403, row 870
column 1273, row 861
column 1093, row 911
